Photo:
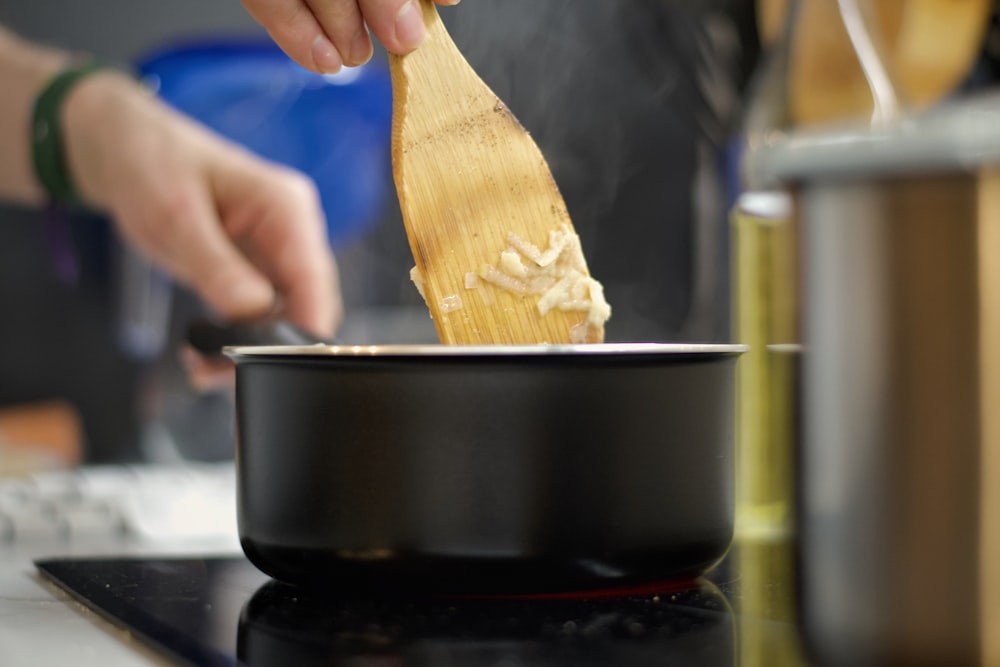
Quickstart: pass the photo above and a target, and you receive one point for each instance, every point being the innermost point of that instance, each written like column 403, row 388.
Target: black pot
column 485, row 469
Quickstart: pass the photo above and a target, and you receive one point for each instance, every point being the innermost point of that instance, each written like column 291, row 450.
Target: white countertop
column 181, row 510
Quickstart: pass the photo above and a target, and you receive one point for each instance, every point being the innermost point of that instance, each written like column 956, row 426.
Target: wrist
column 25, row 68
column 87, row 117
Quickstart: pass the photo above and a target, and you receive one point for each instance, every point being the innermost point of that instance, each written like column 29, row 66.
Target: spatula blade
column 472, row 184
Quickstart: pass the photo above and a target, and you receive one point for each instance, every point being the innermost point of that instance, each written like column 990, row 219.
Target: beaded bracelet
column 48, row 151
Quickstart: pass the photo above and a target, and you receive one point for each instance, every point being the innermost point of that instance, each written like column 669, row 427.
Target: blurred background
column 635, row 104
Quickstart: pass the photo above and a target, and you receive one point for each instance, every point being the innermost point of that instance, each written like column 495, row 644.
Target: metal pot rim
column 478, row 351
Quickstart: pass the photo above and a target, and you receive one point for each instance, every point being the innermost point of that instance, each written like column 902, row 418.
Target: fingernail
column 325, row 56
column 410, row 26
column 450, row 2
column 361, row 48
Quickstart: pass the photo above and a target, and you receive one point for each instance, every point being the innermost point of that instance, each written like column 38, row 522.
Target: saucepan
column 466, row 469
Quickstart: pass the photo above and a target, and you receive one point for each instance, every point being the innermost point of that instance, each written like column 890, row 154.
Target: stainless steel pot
column 899, row 475
column 485, row 469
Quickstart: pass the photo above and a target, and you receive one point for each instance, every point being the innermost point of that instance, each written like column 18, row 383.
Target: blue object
column 335, row 128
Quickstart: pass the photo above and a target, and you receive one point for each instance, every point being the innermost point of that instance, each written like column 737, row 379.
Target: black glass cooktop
column 225, row 612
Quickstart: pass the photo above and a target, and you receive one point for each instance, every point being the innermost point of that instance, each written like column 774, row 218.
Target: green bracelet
column 48, row 152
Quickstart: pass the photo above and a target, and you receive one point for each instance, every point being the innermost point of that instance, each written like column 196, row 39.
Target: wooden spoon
column 932, row 46
column 468, row 175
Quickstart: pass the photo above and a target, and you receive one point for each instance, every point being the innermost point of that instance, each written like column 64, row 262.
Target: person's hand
column 243, row 233
column 323, row 35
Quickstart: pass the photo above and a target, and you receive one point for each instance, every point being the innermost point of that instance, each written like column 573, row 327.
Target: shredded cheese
column 558, row 274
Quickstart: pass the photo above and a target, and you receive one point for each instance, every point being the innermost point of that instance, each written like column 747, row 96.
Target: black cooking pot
column 485, row 469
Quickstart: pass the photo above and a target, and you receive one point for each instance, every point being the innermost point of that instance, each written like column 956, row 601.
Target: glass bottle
column 850, row 74
column 764, row 316
column 764, row 309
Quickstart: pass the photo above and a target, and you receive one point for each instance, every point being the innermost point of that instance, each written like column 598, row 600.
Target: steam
column 544, row 60
column 631, row 102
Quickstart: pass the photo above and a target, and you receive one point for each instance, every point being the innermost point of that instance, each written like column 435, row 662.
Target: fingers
column 323, row 35
column 180, row 230
column 305, row 277
column 238, row 230
column 245, row 235
column 299, row 260
column 294, row 27
column 241, row 232
column 274, row 216
column 342, row 23
column 398, row 24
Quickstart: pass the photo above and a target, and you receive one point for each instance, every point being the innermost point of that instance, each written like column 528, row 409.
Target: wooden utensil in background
column 467, row 176
column 931, row 44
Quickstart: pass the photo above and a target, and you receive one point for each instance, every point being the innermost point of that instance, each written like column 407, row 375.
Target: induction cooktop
column 223, row 611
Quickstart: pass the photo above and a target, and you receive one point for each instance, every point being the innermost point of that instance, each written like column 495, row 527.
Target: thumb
column 223, row 277
column 232, row 288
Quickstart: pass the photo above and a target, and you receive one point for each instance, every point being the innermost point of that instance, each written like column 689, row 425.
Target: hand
column 323, row 35
column 245, row 234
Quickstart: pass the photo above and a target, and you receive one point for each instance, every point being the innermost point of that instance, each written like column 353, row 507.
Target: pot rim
column 958, row 136
column 470, row 351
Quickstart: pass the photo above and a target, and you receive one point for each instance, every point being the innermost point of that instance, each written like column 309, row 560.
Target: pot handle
column 209, row 337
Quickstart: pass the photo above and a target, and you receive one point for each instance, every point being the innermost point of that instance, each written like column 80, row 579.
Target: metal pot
column 898, row 489
column 485, row 469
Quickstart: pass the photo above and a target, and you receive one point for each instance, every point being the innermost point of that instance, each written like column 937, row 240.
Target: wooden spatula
column 471, row 184
column 931, row 47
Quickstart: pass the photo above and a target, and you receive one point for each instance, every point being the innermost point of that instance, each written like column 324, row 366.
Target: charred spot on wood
column 420, row 254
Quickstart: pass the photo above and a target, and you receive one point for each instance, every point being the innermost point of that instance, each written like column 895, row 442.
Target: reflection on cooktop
column 225, row 612
column 282, row 624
